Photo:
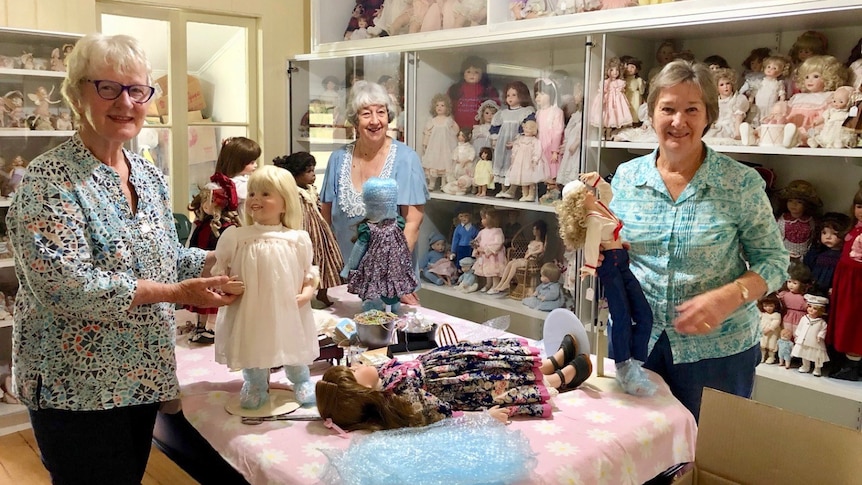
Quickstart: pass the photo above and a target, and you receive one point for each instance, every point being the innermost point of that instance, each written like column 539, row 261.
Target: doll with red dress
column 800, row 203
column 792, row 295
column 610, row 108
column 550, row 121
column 471, row 91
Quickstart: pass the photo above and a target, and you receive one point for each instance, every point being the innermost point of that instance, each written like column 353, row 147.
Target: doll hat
column 802, row 190
column 435, row 237
column 815, row 300
column 468, row 261
column 573, row 186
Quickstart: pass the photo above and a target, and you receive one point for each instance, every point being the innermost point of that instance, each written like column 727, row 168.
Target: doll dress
column 442, row 135
column 527, row 167
column 265, row 327
column 807, row 346
column 725, row 125
column 483, row 173
column 202, row 237
column 570, row 159
column 806, row 109
column 832, row 134
column 796, row 307
column 386, row 268
column 770, row 91
column 490, row 253
column 551, row 123
column 844, row 331
column 796, row 233
column 481, row 137
column 327, row 256
column 506, row 123
column 611, row 109
column 635, row 87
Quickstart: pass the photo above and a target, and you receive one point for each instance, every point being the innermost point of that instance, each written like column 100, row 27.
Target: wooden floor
column 20, row 464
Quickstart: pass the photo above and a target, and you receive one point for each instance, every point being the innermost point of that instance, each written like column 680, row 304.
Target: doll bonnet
column 488, row 103
column 815, row 300
column 381, row 198
column 802, row 190
column 435, row 237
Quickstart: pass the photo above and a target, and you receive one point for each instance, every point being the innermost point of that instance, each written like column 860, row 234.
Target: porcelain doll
column 635, row 85
column 752, row 77
column 535, row 250
column 844, row 333
column 825, row 251
column 715, row 62
column 42, row 99
column 527, row 9
column 817, row 78
column 800, row 203
column 15, row 116
column 427, row 16
column 56, row 63
column 665, row 53
column 610, row 108
column 792, row 295
column 481, row 136
column 504, row 129
column 392, row 19
column 467, row 282
column 464, row 13
column 330, row 96
column 810, row 336
column 770, row 327
column 528, row 167
column 15, row 174
column 549, row 118
column 460, row 178
column 571, row 153
column 854, row 65
column 609, row 4
column 483, row 173
column 361, row 30
column 463, row 235
column 807, row 45
column 549, row 293
column 732, row 107
column 488, row 249
column 772, row 130
column 436, row 265
column 772, row 88
column 831, row 134
column 440, row 138
column 551, row 195
column 367, row 9
column 471, row 92
column 785, row 347
column 64, row 121
column 587, row 222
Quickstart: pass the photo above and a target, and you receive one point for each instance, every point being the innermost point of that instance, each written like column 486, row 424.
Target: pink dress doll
column 832, row 133
column 481, row 136
column 504, row 130
column 810, row 335
column 549, row 118
column 844, row 332
column 796, row 223
column 471, row 93
column 770, row 327
column 488, row 249
column 528, row 167
column 610, row 109
column 817, row 77
column 792, row 295
column 440, row 139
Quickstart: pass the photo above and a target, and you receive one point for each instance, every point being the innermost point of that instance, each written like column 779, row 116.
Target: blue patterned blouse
column 79, row 250
column 719, row 224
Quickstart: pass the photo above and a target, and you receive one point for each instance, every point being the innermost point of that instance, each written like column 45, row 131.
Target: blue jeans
column 733, row 374
column 629, row 309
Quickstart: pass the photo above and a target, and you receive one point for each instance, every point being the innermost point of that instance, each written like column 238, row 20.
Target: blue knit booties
column 255, row 388
column 633, row 379
column 303, row 388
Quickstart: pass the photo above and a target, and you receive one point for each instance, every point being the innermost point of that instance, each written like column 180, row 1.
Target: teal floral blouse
column 79, row 249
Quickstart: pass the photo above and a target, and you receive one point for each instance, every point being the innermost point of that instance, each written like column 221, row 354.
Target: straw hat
column 802, row 190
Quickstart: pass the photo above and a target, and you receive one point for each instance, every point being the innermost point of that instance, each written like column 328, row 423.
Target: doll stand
column 281, row 401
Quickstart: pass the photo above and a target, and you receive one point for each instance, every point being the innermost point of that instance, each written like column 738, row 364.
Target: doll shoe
column 583, row 367
column 569, row 346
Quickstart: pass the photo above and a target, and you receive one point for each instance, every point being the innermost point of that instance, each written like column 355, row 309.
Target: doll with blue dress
column 436, row 265
column 549, row 294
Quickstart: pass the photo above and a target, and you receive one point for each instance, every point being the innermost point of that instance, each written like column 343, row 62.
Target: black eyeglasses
column 111, row 90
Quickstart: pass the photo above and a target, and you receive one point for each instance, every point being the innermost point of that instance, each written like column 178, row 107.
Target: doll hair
column 270, row 178
column 195, row 206
column 491, row 216
column 831, row 70
column 626, row 60
column 786, row 333
column 546, row 86
column 220, row 212
column 727, row 74
column 811, row 40
column 838, row 222
column 572, row 215
column 799, row 272
column 330, row 79
column 467, row 133
column 857, row 200
column 614, row 62
column 524, row 98
column 236, row 152
column 381, row 199
column 800, row 190
column 486, row 150
column 488, row 103
column 440, row 98
column 543, row 228
column 353, row 406
column 478, row 63
column 716, row 60
column 760, row 53
column 774, row 300
column 530, row 122
column 665, row 43
column 855, row 53
column 550, row 271
column 295, row 163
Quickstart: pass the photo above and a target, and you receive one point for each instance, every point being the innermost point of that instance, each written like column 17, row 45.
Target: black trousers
column 109, row 447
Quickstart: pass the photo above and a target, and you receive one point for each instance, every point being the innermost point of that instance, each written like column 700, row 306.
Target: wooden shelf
column 13, row 418
column 7, row 263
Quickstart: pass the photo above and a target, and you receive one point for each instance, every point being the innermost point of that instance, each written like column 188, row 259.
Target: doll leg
column 255, row 388
column 771, row 358
column 303, row 388
column 805, row 367
column 762, row 354
column 746, row 134
column 817, row 372
column 791, row 136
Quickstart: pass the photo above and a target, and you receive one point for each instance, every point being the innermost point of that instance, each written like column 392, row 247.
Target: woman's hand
column 410, row 299
column 500, row 414
column 704, row 313
column 201, row 292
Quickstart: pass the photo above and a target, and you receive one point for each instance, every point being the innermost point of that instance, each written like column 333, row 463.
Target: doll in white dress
column 635, row 85
column 440, row 138
column 770, row 326
column 751, row 79
column 571, row 153
column 771, row 89
column 271, row 325
column 831, row 134
column 810, row 335
column 460, row 178
column 481, row 136
column 732, row 107
column 528, row 167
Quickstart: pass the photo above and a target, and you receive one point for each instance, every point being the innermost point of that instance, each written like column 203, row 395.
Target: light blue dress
column 348, row 210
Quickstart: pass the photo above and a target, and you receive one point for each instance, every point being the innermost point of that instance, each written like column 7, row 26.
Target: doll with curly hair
column 587, row 222
column 817, row 78
column 440, row 138
column 732, row 106
column 809, row 44
column 610, row 109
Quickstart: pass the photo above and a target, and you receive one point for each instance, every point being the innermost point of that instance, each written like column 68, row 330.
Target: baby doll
column 528, row 168
column 467, row 282
column 436, row 266
column 571, row 153
column 732, row 107
column 460, row 177
column 272, row 325
column 488, row 249
column 843, row 332
column 549, row 119
column 792, row 295
column 535, row 250
column 481, row 136
column 817, row 77
column 587, row 222
column 823, row 256
column 440, row 138
column 465, row 232
column 796, row 224
column 471, row 93
column 752, row 77
column 785, row 347
column 483, row 173
column 810, row 335
column 772, row 88
column 831, row 134
column 610, row 108
column 549, row 294
column 770, row 326
column 504, row 130
column 635, row 85
column 854, row 65
column 807, row 45
column 380, row 266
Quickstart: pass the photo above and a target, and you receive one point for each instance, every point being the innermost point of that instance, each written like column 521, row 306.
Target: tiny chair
column 527, row 278
column 184, row 227
column 446, row 335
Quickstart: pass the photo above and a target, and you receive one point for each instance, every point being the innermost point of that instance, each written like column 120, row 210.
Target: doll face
column 462, row 137
column 530, row 128
column 464, row 217
column 440, row 108
column 804, row 53
column 664, row 55
column 769, row 307
column 840, row 99
column 265, row 207
column 857, row 212
column 772, row 69
column 543, row 100
column 814, row 82
column 472, row 75
column 756, row 64
column 613, row 73
column 484, row 155
column 306, row 178
column 796, row 207
column 512, row 98
column 438, row 246
column 631, row 69
column 207, row 203
column 366, row 375
column 544, row 279
column 362, row 22
column 249, row 168
column 488, row 115
column 814, row 311
column 794, row 286
column 830, row 238
column 330, row 86
column 725, row 87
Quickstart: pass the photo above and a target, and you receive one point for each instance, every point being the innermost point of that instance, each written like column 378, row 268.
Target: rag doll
column 785, row 347
column 800, row 204
column 831, row 134
column 844, row 332
column 549, row 293
column 810, row 336
column 732, row 107
column 460, row 177
column 854, row 64
column 527, row 168
column 272, row 325
column 440, row 138
column 467, row 282
column 481, row 136
column 571, row 152
column 817, row 78
column 770, row 326
column 488, row 249
column 472, row 92
column 610, row 108
column 504, row 130
column 587, row 222
column 483, row 172
column 752, row 77
column 535, row 250
column 635, row 85
column 807, row 45
column 550, row 122
column 380, row 268
column 792, row 295
column 825, row 251
column 463, row 235
column 436, row 266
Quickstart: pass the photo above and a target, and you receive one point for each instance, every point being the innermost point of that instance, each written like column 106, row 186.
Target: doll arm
column 592, row 243
column 358, row 250
column 534, row 250
column 821, row 332
column 856, row 248
column 453, row 127
column 493, row 243
column 429, row 126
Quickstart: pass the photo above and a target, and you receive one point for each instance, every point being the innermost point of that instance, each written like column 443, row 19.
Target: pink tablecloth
column 598, row 434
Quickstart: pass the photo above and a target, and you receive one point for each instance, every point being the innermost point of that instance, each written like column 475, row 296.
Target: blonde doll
column 810, row 335
column 770, row 326
column 483, row 175
column 440, row 138
column 831, row 134
column 732, row 107
column 550, row 122
column 771, row 89
column 528, row 168
column 460, row 178
column 817, row 78
column 272, row 324
column 587, row 222
column 610, row 108
column 504, row 130
column 481, row 136
column 488, row 249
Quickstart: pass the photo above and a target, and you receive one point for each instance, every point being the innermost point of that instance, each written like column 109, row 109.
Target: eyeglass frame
column 123, row 87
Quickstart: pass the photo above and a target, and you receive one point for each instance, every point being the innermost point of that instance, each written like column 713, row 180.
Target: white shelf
column 494, row 201
column 5, row 202
column 31, row 73
column 496, row 301
column 6, row 323
column 13, row 418
column 826, row 385
column 7, row 263
column 24, row 132
column 851, row 153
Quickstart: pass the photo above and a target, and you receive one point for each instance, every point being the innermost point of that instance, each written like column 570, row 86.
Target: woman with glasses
column 100, row 270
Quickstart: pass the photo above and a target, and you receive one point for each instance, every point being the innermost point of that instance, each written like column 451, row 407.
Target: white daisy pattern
column 271, row 457
column 311, row 470
column 547, row 428
column 601, row 435
column 312, row 448
column 561, row 448
column 256, row 439
column 569, row 476
column 645, row 441
column 598, row 417
column 659, row 420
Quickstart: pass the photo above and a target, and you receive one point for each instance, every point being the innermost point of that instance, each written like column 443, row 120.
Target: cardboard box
column 195, row 98
column 202, row 144
column 740, row 441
